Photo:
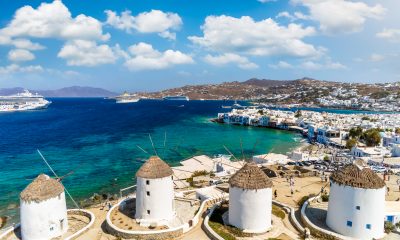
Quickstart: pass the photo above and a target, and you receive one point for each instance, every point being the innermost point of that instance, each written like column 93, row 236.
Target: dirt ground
column 302, row 187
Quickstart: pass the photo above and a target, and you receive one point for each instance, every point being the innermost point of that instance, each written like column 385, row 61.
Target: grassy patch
column 227, row 232
column 220, row 230
column 277, row 211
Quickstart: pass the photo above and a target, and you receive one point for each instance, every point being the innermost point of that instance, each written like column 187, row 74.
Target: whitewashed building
column 357, row 203
column 250, row 199
column 154, row 193
column 43, row 209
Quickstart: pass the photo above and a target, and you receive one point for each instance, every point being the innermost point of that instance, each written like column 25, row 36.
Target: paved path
column 197, row 232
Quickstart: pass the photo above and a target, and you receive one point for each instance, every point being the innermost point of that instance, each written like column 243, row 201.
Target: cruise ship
column 176, row 98
column 127, row 98
column 22, row 102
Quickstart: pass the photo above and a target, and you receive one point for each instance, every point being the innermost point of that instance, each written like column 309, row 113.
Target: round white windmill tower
column 154, row 192
column 250, row 199
column 356, row 203
column 43, row 209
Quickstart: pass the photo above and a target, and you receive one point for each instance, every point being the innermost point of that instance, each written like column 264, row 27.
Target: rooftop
column 250, row 176
column 154, row 168
column 41, row 189
column 352, row 175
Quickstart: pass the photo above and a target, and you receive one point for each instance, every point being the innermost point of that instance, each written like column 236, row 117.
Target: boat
column 176, row 98
column 237, row 106
column 127, row 98
column 222, row 106
column 22, row 102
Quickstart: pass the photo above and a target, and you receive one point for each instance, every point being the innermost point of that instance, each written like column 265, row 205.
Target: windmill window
column 148, row 193
column 349, row 223
column 148, row 212
column 147, row 182
column 368, row 226
column 358, row 207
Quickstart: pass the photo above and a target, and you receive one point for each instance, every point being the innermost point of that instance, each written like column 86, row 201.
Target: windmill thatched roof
column 154, row 168
column 352, row 175
column 250, row 176
column 41, row 189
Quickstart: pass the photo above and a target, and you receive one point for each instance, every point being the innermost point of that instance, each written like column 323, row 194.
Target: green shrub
column 302, row 201
column 277, row 211
column 389, row 227
column 325, row 197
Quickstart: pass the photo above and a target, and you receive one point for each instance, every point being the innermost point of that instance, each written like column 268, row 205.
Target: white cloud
column 227, row 58
column 391, row 34
column 327, row 64
column 53, row 20
column 145, row 57
column 281, row 65
column 14, row 68
column 263, row 38
column 341, row 16
column 376, row 57
column 287, row 15
column 154, row 21
column 86, row 53
column 21, row 43
column 20, row 55
column 311, row 65
column 124, row 22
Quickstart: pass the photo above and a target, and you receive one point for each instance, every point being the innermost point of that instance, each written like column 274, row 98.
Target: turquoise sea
column 98, row 139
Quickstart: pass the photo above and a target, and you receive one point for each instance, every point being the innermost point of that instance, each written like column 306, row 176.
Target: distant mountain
column 278, row 91
column 275, row 83
column 74, row 91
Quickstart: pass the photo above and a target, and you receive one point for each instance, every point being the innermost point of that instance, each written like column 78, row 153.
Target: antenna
column 152, row 144
column 142, row 149
column 51, row 169
column 255, row 145
column 165, row 142
column 241, row 147
column 230, row 153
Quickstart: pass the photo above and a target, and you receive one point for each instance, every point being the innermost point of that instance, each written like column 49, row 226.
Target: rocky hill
column 280, row 91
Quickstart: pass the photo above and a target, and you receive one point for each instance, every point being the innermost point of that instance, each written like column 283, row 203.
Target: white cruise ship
column 22, row 102
column 127, row 98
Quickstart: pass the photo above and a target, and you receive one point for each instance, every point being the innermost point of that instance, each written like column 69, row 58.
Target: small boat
column 222, row 106
column 176, row 98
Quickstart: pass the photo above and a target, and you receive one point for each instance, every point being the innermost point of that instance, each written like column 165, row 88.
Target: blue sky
column 152, row 45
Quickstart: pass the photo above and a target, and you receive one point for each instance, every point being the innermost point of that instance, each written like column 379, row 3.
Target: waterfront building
column 371, row 152
column 43, row 209
column 250, row 199
column 356, row 203
column 396, row 150
column 154, row 193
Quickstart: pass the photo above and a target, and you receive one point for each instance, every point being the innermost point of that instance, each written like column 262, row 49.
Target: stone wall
column 207, row 229
column 146, row 235
column 314, row 229
column 85, row 213
column 10, row 231
column 292, row 218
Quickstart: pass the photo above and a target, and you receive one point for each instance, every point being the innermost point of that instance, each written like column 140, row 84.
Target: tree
column 351, row 143
column 298, row 113
column 397, row 131
column 389, row 227
column 355, row 132
column 372, row 137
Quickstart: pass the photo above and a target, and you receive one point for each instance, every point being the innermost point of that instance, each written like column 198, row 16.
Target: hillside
column 304, row 90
